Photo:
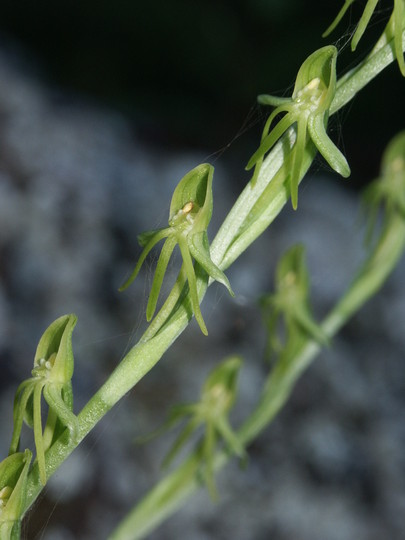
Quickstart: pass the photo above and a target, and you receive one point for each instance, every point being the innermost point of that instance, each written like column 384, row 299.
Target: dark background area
column 187, row 72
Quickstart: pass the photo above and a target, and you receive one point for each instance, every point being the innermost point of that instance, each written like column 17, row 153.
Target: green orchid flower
column 13, row 485
column 189, row 216
column 217, row 399
column 51, row 376
column 393, row 30
column 290, row 302
column 388, row 190
column 308, row 109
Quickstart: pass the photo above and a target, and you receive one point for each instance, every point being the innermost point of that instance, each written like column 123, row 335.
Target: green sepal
column 338, row 18
column 199, row 249
column 272, row 101
column 54, row 426
column 147, row 240
column 160, row 271
column 363, row 22
column 55, row 397
column 327, row 149
column 196, row 188
column 321, row 64
column 145, row 237
column 13, row 485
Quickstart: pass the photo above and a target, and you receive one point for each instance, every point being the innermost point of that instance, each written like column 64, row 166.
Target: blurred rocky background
column 104, row 106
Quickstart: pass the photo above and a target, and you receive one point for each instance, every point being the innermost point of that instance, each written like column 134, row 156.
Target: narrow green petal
column 309, row 325
column 22, row 396
column 39, row 445
column 399, row 19
column 188, row 265
column 228, row 435
column 160, row 271
column 271, row 139
column 338, row 18
column 52, row 395
column 181, row 440
column 208, row 451
column 365, row 19
column 54, row 427
column 299, row 149
column 162, row 233
column 326, row 147
column 145, row 237
column 273, row 101
column 199, row 248
column 49, row 429
column 168, row 306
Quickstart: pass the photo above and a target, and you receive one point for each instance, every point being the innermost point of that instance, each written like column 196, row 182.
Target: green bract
column 291, row 302
column 51, row 376
column 217, row 398
column 388, row 189
column 190, row 214
column 393, row 29
column 308, row 108
column 13, row 482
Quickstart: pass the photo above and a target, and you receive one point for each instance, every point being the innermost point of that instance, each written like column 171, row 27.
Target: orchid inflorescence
column 308, row 109
column 190, row 213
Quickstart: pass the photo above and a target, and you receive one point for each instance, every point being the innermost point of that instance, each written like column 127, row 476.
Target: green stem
column 143, row 356
column 173, row 491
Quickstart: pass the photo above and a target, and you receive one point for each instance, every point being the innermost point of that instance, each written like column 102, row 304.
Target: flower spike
column 51, row 377
column 308, row 108
column 189, row 216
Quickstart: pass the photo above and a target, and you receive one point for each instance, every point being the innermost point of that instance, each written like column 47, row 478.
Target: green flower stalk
column 308, row 108
column 291, row 303
column 13, row 485
column 51, row 376
column 217, row 399
column 393, row 29
column 189, row 217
